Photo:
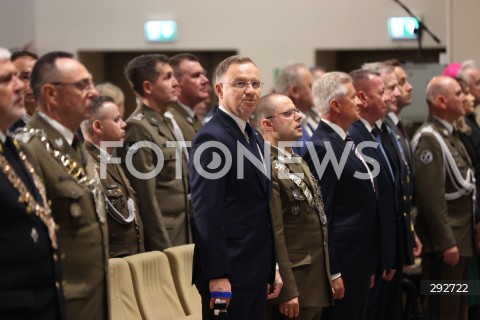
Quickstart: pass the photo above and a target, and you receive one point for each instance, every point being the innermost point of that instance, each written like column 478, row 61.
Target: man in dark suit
column 30, row 281
column 166, row 222
column 349, row 195
column 105, row 127
column 234, row 249
column 24, row 62
column 444, row 185
column 65, row 91
column 297, row 208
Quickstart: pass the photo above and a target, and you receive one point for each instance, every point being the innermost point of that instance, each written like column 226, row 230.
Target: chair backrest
column 181, row 263
column 153, row 285
column 122, row 296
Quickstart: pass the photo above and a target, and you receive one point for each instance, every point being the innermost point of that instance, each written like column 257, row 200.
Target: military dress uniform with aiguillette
column 125, row 228
column 445, row 189
column 78, row 208
column 300, row 226
column 30, row 276
column 163, row 198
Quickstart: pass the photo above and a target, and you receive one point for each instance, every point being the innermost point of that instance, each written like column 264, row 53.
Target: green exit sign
column 160, row 31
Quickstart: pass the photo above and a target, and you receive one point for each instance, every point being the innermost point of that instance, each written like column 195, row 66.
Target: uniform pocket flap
column 300, row 258
column 75, row 289
column 69, row 189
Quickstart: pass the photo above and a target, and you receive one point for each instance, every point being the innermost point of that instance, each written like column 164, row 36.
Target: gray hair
column 378, row 67
column 4, row 54
column 225, row 64
column 328, row 87
column 288, row 75
column 463, row 74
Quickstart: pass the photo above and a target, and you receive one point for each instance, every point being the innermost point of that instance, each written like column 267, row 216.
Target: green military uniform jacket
column 300, row 237
column 124, row 238
column 441, row 224
column 83, row 234
column 163, row 198
column 187, row 124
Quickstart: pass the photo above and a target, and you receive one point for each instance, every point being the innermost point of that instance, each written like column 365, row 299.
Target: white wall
column 272, row 32
column 17, row 23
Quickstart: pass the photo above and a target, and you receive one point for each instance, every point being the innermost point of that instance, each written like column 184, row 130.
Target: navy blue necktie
column 252, row 141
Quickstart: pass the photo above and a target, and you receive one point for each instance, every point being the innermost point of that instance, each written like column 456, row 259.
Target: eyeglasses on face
column 241, row 84
column 286, row 114
column 83, row 85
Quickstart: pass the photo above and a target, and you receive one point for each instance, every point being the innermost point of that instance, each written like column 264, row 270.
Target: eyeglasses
column 83, row 85
column 240, row 84
column 286, row 114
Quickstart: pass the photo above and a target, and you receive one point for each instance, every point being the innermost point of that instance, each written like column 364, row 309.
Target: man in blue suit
column 234, row 255
column 349, row 194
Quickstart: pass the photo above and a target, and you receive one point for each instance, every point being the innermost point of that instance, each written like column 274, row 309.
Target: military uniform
column 444, row 188
column 30, row 277
column 188, row 124
column 163, row 198
column 125, row 228
column 300, row 228
column 78, row 209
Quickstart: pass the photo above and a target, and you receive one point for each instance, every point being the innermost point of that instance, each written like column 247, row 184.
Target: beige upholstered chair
column 181, row 261
column 122, row 297
column 154, row 289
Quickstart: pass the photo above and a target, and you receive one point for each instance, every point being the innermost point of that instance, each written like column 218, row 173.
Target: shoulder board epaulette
column 24, row 135
column 138, row 117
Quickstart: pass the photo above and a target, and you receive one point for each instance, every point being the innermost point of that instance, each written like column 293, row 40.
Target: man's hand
column 219, row 285
column 451, row 256
column 290, row 308
column 388, row 274
column 339, row 289
column 417, row 250
column 274, row 290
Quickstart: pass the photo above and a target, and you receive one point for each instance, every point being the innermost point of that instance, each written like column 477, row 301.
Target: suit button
column 324, row 243
column 55, row 257
column 405, row 214
column 57, row 285
column 404, row 198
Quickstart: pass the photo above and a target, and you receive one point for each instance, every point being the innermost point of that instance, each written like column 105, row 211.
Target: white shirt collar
column 394, row 117
column 65, row 132
column 446, row 124
column 3, row 137
column 367, row 125
column 189, row 110
column 379, row 123
column 240, row 122
column 26, row 118
column 336, row 128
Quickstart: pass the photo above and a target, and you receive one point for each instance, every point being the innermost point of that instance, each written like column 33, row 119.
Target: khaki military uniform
column 187, row 124
column 124, row 238
column 300, row 235
column 163, row 197
column 445, row 211
column 79, row 211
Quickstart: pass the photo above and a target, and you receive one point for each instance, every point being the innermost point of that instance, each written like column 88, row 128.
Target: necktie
column 177, row 133
column 350, row 141
column 402, row 130
column 252, row 141
column 376, row 135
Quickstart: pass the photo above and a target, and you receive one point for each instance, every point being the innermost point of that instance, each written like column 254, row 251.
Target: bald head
column 445, row 98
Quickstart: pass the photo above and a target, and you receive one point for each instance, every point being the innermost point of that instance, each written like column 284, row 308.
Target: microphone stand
column 419, row 31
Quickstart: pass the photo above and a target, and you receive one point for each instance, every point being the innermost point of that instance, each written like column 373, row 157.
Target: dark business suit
column 351, row 208
column 233, row 234
column 30, row 281
column 124, row 239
